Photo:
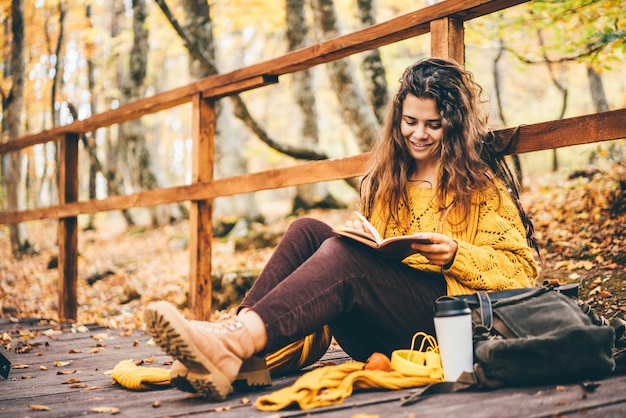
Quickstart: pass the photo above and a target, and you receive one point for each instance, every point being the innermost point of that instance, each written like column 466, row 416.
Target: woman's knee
column 305, row 223
column 346, row 252
column 310, row 228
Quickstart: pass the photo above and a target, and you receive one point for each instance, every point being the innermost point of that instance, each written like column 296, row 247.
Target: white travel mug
column 453, row 326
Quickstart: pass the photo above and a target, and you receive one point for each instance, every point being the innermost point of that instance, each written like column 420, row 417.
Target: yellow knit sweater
column 492, row 254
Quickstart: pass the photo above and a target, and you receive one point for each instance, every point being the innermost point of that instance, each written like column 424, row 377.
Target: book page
column 370, row 227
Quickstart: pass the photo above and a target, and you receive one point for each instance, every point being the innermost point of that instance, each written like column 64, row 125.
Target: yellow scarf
column 330, row 385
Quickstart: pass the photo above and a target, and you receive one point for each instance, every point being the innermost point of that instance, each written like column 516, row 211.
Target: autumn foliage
column 580, row 221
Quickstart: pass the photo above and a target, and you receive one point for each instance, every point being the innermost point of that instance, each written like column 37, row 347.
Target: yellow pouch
column 424, row 362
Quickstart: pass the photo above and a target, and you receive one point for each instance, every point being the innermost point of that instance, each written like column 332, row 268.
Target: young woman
column 435, row 172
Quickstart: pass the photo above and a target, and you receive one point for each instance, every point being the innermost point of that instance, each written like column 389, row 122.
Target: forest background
column 538, row 61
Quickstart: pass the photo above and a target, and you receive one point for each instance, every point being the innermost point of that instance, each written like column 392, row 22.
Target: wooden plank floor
column 55, row 354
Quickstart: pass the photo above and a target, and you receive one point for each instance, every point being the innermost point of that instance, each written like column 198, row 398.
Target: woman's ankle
column 256, row 327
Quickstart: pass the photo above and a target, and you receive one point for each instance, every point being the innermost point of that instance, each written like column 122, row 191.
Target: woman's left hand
column 440, row 252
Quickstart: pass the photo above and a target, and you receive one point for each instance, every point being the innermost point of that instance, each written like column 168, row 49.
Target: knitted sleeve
column 498, row 257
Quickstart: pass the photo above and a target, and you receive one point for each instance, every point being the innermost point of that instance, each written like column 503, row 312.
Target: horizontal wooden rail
column 540, row 136
column 579, row 130
column 397, row 29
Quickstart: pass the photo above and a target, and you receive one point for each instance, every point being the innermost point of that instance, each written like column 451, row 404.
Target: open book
column 396, row 247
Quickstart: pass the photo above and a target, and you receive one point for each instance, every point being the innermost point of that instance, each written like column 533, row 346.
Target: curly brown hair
column 468, row 155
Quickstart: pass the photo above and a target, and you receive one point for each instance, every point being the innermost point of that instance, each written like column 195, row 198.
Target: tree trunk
column 12, row 105
column 51, row 172
column 115, row 164
column 356, row 112
column 560, row 85
column 372, row 65
column 497, row 82
column 596, row 87
column 229, row 160
column 600, row 104
column 132, row 133
column 313, row 195
column 89, row 141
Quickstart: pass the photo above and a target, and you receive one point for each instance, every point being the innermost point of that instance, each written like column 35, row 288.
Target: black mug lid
column 449, row 306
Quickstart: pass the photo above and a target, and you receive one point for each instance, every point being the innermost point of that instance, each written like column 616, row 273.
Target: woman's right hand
column 356, row 224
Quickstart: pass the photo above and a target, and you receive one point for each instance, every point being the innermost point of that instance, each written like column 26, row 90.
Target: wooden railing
column 445, row 23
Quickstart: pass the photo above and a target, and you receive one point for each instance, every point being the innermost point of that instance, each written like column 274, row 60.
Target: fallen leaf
column 20, row 366
column 80, row 328
column 62, row 363
column 70, row 381
column 51, row 332
column 101, row 337
column 222, row 409
column 106, row 409
column 26, row 334
column 587, row 265
column 595, row 290
column 36, row 407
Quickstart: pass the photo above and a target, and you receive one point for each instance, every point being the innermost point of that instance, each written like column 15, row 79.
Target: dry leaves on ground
column 579, row 222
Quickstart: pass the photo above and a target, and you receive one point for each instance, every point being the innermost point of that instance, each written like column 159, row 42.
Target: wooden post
column 447, row 39
column 67, row 231
column 200, row 214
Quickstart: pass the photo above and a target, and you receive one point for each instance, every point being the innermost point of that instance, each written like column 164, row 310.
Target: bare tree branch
column 241, row 110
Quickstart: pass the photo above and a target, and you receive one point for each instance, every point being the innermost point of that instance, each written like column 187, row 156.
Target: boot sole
column 253, row 374
column 257, row 376
column 166, row 327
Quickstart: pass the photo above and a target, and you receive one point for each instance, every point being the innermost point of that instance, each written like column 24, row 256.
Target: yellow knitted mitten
column 131, row 376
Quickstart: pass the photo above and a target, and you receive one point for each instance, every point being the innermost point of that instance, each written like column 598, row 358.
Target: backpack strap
column 485, row 309
column 466, row 382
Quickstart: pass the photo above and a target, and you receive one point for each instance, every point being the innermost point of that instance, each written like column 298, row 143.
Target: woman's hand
column 358, row 225
column 442, row 250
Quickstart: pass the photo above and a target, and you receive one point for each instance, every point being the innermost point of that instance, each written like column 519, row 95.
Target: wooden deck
column 69, row 373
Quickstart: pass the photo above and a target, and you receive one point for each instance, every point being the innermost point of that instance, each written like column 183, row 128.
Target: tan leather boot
column 255, row 371
column 211, row 351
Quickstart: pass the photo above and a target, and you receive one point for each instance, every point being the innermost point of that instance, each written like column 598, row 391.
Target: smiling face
column 422, row 129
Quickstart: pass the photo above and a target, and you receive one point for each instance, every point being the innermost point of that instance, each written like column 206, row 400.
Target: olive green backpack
column 533, row 336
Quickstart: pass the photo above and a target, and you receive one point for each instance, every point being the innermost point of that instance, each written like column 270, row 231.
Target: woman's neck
column 423, row 177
